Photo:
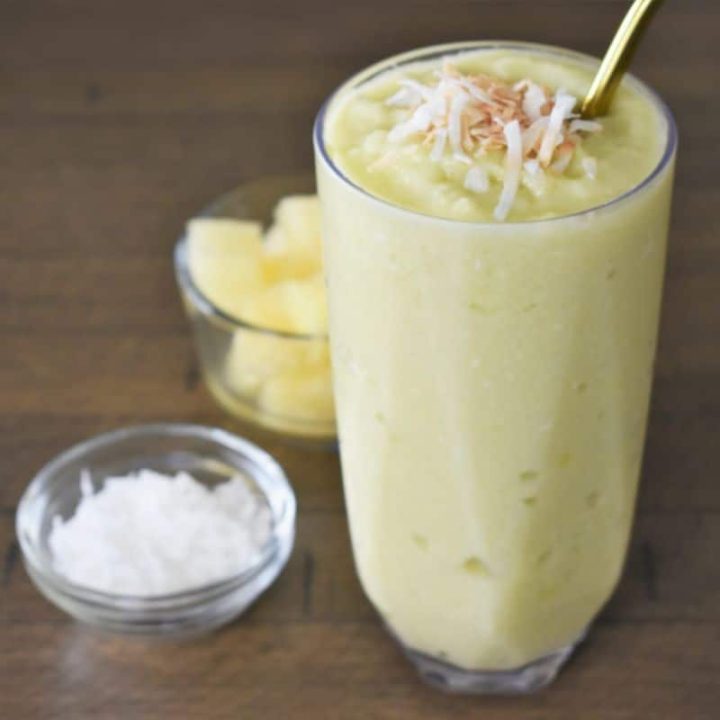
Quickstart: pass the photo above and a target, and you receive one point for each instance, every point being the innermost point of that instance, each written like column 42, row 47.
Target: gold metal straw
column 617, row 58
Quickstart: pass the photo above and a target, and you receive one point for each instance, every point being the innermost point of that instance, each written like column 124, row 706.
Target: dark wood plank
column 120, row 120
column 341, row 670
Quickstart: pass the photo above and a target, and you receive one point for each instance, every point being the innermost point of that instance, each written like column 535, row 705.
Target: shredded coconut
column 439, row 145
column 149, row 534
column 422, row 90
column 560, row 165
column 553, row 134
column 532, row 167
column 578, row 125
column 457, row 106
column 589, row 165
column 534, row 101
column 532, row 135
column 404, row 97
column 513, row 168
column 462, row 157
column 476, row 180
column 470, row 115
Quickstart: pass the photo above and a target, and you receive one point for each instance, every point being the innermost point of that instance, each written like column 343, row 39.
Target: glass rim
column 39, row 564
column 431, row 51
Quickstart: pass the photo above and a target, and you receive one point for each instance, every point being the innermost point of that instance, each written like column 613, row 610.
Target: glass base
column 518, row 681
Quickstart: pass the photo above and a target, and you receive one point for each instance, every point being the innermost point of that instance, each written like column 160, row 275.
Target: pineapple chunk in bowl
column 249, row 269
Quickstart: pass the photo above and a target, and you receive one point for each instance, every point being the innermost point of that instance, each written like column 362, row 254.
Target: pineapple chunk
column 241, row 380
column 293, row 246
column 224, row 257
column 267, row 309
column 305, row 396
column 254, row 357
column 299, row 217
column 276, row 284
column 308, row 304
column 296, row 306
column 285, row 261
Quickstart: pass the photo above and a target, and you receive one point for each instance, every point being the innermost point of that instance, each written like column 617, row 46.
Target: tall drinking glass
column 492, row 383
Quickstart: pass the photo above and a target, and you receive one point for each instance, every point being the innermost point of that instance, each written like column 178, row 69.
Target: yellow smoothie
column 492, row 368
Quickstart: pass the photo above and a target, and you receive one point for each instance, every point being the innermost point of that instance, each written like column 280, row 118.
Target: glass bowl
column 211, row 456
column 257, row 374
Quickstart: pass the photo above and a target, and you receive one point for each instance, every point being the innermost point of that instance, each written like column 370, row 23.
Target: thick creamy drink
column 494, row 269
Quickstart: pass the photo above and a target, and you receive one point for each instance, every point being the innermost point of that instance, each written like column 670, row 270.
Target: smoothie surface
column 369, row 136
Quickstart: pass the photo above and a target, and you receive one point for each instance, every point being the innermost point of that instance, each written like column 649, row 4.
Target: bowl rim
column 200, row 301
column 40, row 567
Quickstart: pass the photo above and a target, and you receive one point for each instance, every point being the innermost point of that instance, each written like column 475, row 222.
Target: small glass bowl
column 211, row 456
column 231, row 350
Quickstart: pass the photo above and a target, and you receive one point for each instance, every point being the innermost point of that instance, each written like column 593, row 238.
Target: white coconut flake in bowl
column 149, row 534
column 171, row 530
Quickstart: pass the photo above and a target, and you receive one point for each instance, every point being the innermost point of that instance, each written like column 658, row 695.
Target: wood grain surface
column 117, row 121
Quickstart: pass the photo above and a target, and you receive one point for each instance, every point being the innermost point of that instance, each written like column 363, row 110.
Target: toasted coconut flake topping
column 589, row 165
column 532, row 136
column 455, row 125
column 553, row 135
column 438, row 145
column 470, row 115
column 532, row 167
column 578, row 125
column 563, row 157
column 476, row 180
column 404, row 97
column 534, row 101
column 513, row 169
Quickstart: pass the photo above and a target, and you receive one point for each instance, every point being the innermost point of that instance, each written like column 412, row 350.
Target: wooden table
column 118, row 120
